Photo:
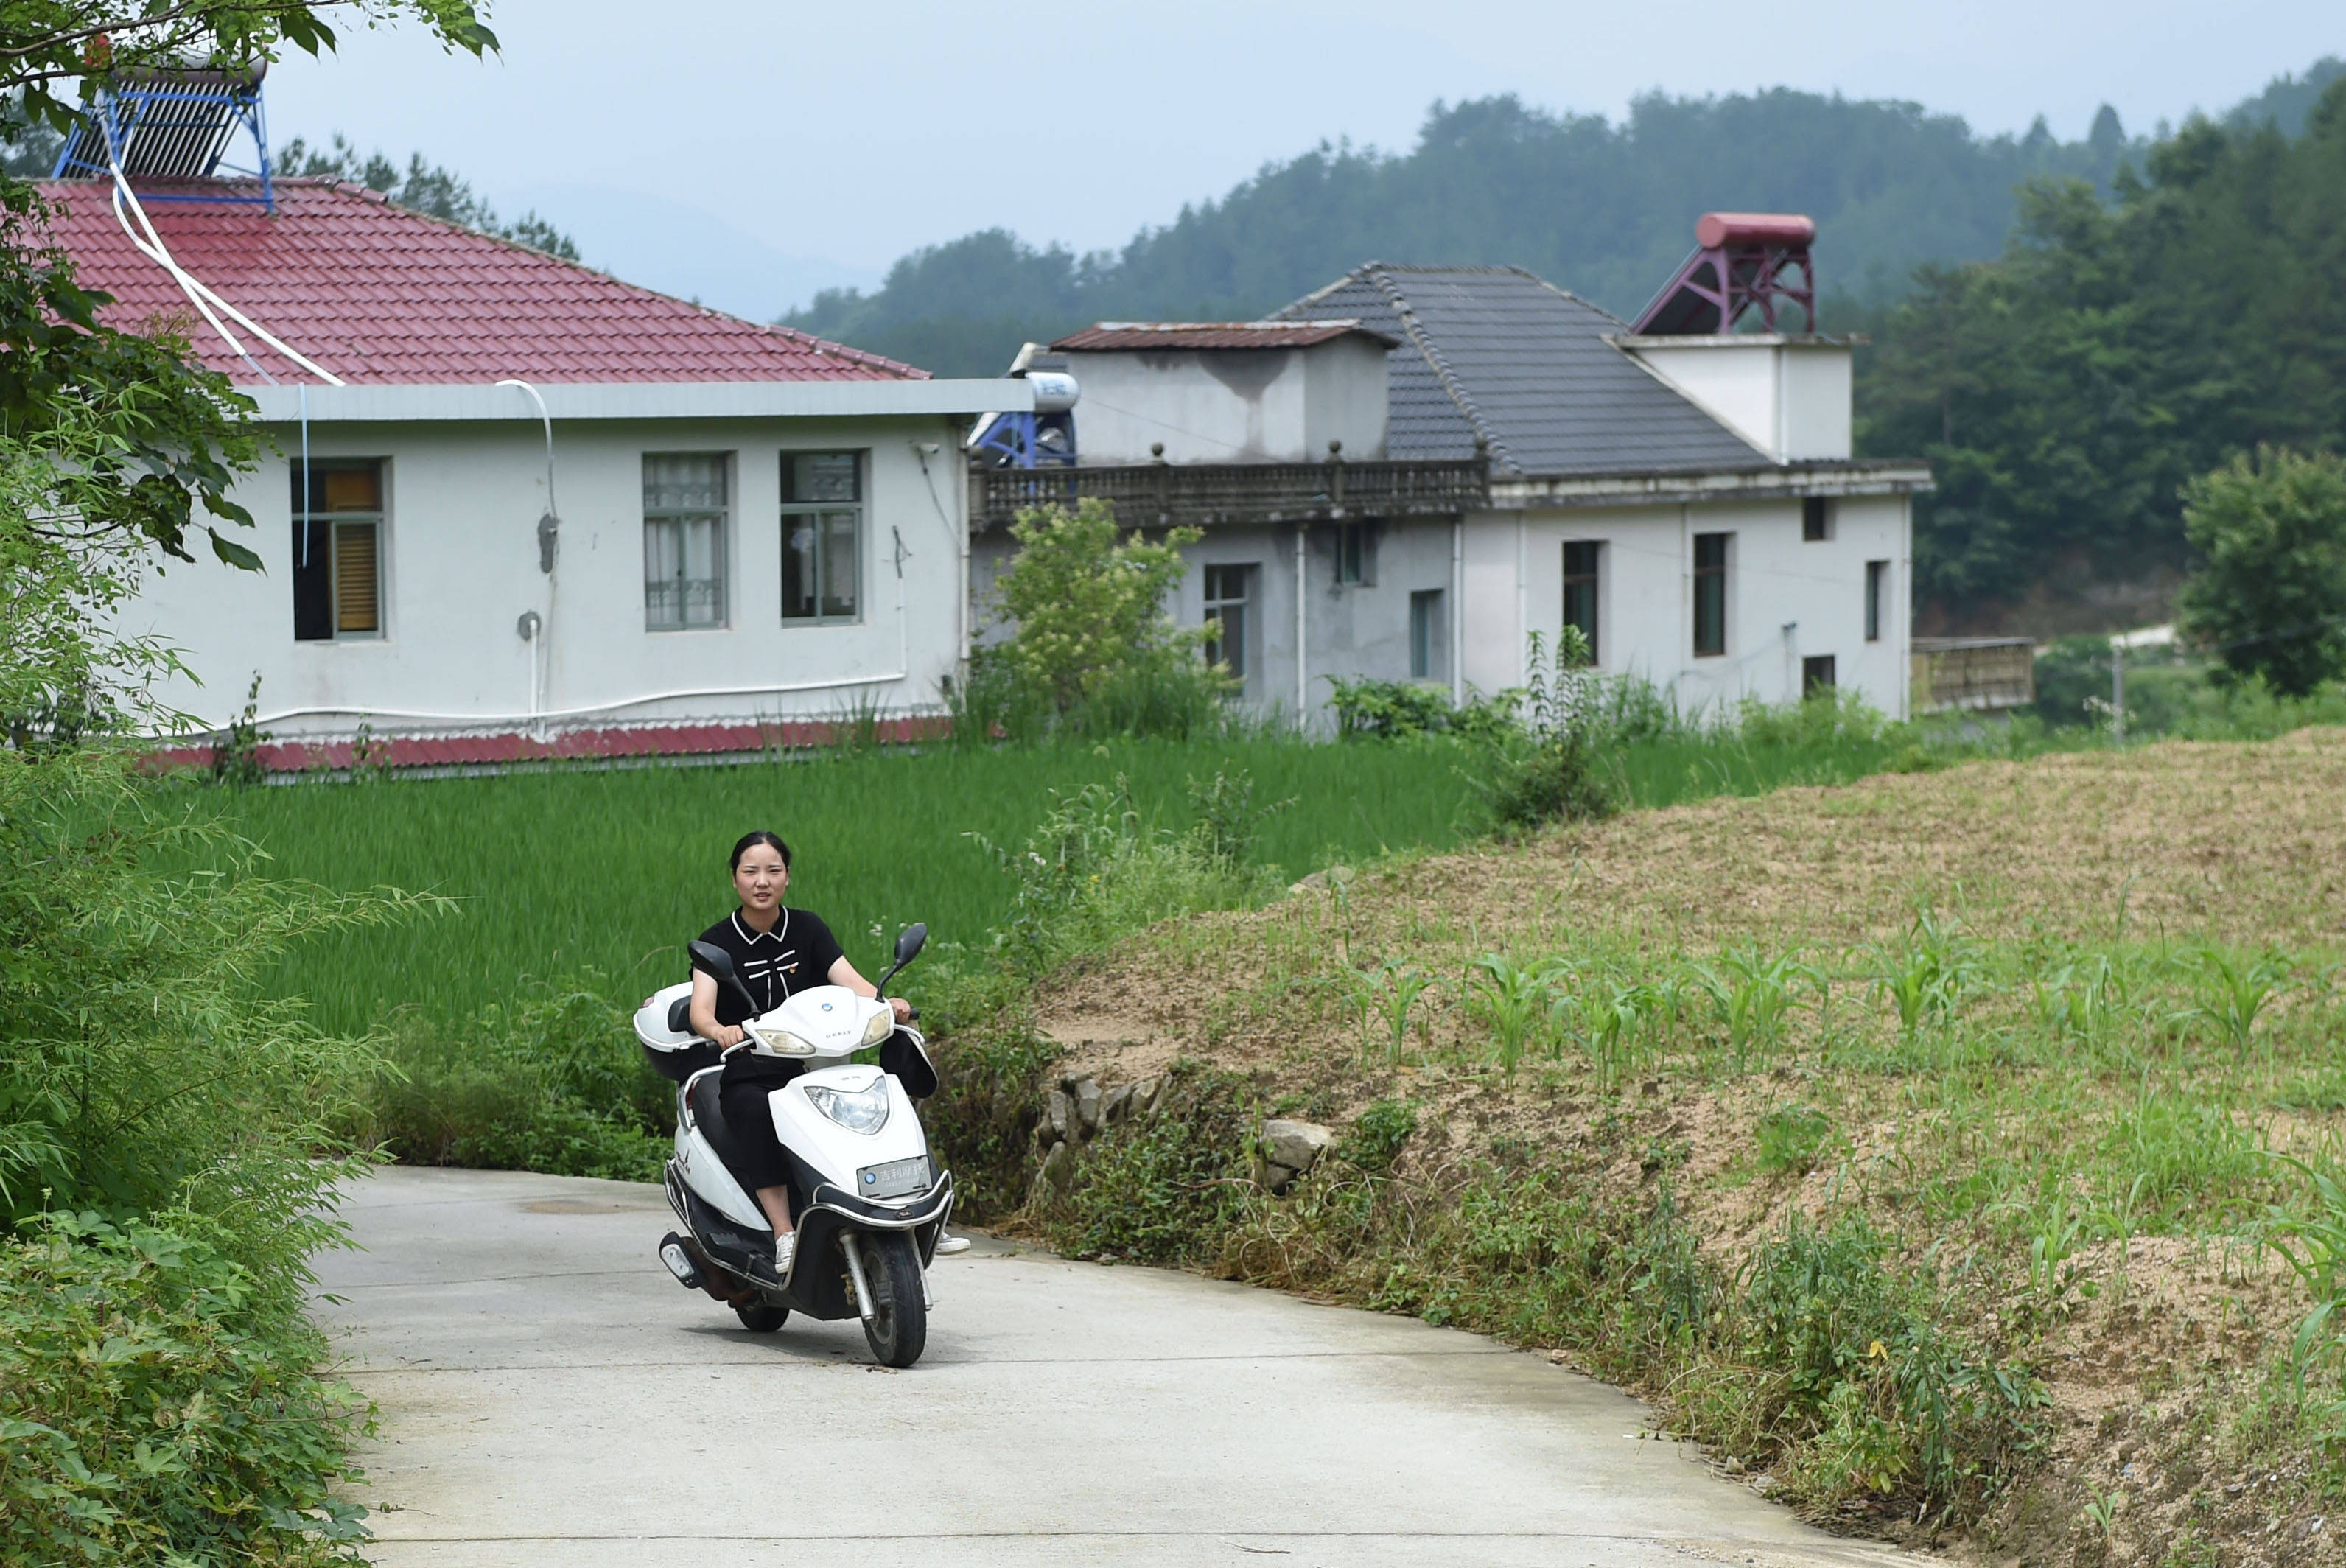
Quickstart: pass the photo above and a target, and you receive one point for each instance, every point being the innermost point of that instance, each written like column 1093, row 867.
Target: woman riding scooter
column 776, row 950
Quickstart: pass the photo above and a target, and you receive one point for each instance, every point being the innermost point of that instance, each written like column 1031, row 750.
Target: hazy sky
column 750, row 153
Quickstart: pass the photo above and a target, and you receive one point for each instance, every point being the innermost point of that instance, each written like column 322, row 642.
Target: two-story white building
column 1407, row 473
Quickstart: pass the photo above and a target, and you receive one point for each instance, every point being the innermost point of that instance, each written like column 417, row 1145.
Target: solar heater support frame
column 123, row 108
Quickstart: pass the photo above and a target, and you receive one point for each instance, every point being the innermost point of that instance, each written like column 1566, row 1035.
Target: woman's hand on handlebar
column 903, row 1009
column 728, row 1034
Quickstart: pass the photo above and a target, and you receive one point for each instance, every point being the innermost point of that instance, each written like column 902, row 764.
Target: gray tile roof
column 1497, row 353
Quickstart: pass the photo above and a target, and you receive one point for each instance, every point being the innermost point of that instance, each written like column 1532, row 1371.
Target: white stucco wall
column 1788, row 598
column 1790, row 397
column 1231, row 405
column 459, row 565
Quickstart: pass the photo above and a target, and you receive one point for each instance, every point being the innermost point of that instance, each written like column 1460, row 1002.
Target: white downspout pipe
column 1302, row 674
column 541, row 655
column 1457, row 628
column 1522, row 603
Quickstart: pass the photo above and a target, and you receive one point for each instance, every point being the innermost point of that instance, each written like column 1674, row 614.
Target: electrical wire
column 199, row 295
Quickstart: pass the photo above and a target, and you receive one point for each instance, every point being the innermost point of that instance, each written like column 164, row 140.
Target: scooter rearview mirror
column 909, row 944
column 719, row 965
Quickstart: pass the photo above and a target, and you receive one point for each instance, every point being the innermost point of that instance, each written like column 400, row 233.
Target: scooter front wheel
column 898, row 1328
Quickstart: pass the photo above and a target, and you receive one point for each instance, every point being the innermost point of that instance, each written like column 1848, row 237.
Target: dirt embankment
column 2159, row 1359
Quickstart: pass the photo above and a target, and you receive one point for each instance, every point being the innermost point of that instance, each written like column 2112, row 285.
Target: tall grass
column 556, row 874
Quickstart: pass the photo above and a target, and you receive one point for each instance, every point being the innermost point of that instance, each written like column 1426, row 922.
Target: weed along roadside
column 1953, row 1154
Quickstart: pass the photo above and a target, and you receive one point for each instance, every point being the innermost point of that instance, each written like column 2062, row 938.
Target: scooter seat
column 708, row 1115
column 679, row 1015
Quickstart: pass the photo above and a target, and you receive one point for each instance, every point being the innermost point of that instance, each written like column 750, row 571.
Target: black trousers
column 757, row 1158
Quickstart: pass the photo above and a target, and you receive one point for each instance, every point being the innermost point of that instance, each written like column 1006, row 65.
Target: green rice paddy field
column 601, row 875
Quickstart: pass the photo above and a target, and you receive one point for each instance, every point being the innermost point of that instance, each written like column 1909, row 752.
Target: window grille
column 822, row 534
column 1229, row 590
column 686, row 503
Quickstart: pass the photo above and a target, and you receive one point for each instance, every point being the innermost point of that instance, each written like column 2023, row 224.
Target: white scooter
column 874, row 1204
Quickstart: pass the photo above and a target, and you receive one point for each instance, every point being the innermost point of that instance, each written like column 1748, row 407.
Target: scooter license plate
column 895, row 1178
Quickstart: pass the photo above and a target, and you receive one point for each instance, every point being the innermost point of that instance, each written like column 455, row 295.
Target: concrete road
column 549, row 1396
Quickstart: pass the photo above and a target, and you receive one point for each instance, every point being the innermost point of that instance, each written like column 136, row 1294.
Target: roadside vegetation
column 168, row 1142
column 1955, row 1155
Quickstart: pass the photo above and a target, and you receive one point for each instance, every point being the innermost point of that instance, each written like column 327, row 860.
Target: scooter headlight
column 883, row 1025
column 780, row 1042
column 857, row 1110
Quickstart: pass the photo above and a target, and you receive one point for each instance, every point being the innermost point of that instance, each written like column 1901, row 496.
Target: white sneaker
column 786, row 1246
column 947, row 1244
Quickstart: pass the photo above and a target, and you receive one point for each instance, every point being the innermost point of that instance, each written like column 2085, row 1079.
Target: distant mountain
column 684, row 250
column 1603, row 209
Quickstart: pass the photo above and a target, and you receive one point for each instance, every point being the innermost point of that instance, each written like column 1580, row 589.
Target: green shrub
column 160, row 1403
column 1546, row 768
column 1888, row 1401
column 1388, row 710
column 1374, row 1142
column 981, row 1118
column 1095, row 871
column 1090, row 651
column 554, row 1080
column 1163, row 1188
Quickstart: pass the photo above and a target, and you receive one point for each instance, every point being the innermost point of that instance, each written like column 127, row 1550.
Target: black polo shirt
column 773, row 966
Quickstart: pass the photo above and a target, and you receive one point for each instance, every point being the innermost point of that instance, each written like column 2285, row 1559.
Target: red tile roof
column 379, row 295
column 1111, row 336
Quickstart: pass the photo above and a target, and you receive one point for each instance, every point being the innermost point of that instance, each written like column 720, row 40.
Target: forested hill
column 2063, row 392
column 1603, row 207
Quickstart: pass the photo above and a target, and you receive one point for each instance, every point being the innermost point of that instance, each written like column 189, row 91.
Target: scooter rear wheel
column 761, row 1316
column 898, row 1328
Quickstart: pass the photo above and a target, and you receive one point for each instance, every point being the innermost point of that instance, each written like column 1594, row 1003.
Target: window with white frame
column 338, row 549
column 686, row 504
column 822, row 535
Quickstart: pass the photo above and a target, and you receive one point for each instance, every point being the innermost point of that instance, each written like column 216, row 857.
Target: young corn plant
column 1926, row 976
column 2232, row 994
column 1399, row 985
column 2079, row 1000
column 1512, row 998
column 1611, row 1025
column 2313, row 1241
column 1752, row 995
column 1359, row 988
column 2056, row 1229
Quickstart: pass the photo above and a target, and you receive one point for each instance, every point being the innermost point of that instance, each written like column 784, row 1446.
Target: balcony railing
column 1166, row 495
column 1973, row 673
